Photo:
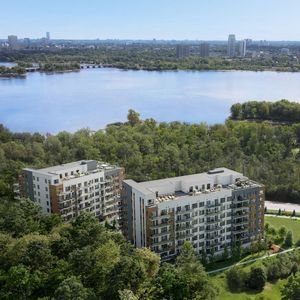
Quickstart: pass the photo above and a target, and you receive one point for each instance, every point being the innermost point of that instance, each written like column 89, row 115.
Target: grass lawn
column 290, row 224
column 271, row 291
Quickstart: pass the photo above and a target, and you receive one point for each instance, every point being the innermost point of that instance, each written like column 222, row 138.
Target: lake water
column 95, row 97
column 8, row 64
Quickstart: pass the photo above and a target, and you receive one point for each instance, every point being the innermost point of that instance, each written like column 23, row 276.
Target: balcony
column 183, row 227
column 184, row 220
column 159, row 243
column 212, row 221
column 213, row 212
column 183, row 211
column 159, row 225
column 239, row 229
column 213, row 229
column 183, row 236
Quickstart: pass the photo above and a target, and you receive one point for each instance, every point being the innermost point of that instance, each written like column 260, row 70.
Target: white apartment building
column 210, row 210
column 73, row 188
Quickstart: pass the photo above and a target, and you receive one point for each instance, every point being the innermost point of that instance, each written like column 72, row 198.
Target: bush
column 257, row 278
column 236, row 278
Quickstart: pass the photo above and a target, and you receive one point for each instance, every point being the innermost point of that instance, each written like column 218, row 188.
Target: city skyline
column 167, row 20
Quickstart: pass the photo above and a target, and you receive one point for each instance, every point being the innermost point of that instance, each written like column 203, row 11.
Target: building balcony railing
column 184, row 220
column 183, row 236
column 183, row 227
column 158, row 243
column 212, row 221
column 183, row 211
column 213, row 212
column 153, row 226
column 213, row 205
column 239, row 230
column 213, row 228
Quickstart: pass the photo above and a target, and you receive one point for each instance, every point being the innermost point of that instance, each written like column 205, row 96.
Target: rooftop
column 90, row 166
column 171, row 188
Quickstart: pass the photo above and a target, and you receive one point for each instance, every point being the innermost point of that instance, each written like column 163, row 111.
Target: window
column 45, row 180
column 48, row 210
column 46, row 189
column 66, row 174
column 38, row 187
column 208, row 186
column 33, row 177
column 48, row 203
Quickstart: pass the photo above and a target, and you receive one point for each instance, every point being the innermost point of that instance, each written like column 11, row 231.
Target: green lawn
column 290, row 224
column 271, row 290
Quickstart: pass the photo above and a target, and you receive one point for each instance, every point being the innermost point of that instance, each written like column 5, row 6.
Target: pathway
column 253, row 260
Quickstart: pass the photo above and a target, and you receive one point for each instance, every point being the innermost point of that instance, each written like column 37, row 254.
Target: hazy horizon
column 271, row 20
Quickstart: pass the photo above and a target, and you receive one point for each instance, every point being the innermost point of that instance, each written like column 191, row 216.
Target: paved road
column 253, row 260
column 283, row 206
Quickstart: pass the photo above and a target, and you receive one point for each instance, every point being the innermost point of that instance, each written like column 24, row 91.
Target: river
column 95, row 97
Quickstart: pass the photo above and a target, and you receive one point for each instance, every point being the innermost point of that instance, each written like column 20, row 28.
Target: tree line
column 280, row 111
column 148, row 57
column 148, row 150
column 42, row 258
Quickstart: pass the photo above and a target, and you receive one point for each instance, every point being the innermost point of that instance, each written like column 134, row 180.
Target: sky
column 148, row 19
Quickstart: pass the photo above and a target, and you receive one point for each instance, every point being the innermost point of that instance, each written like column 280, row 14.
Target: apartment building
column 73, row 188
column 210, row 210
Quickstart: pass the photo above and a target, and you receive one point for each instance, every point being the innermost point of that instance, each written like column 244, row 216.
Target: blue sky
column 147, row 19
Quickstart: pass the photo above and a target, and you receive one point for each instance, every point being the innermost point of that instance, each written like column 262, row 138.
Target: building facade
column 183, row 51
column 211, row 210
column 13, row 42
column 73, row 188
column 231, row 51
column 243, row 48
column 204, row 50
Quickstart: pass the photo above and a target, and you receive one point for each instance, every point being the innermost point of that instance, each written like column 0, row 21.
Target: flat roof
column 60, row 168
column 172, row 180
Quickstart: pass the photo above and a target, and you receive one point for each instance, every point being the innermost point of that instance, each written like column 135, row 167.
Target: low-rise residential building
column 211, row 210
column 73, row 188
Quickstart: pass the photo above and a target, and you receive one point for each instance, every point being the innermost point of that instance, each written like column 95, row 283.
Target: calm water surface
column 95, row 97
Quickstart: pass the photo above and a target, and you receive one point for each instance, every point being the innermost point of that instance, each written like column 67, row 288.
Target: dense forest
column 148, row 57
column 280, row 111
column 42, row 258
column 266, row 152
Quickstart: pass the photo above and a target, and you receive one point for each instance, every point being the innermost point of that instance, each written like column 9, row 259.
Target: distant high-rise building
column 231, row 45
column 12, row 42
column 183, row 51
column 243, row 48
column 204, row 50
column 27, row 42
column 48, row 36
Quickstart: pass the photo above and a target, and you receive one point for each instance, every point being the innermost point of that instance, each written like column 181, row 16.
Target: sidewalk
column 253, row 260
